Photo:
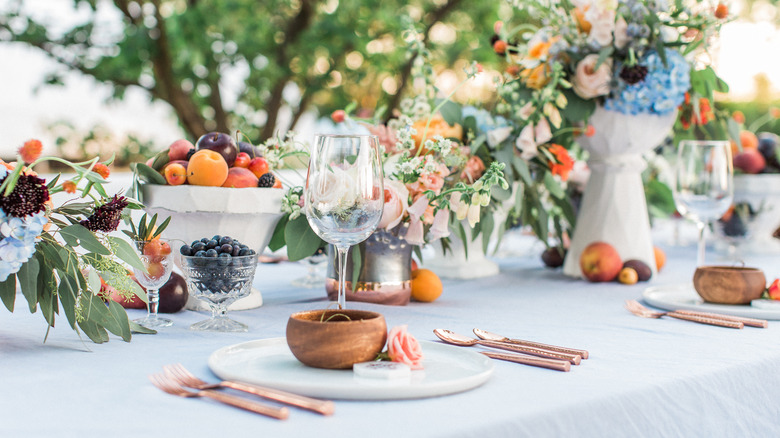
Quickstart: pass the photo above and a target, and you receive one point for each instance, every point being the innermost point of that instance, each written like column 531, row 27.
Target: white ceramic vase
column 613, row 207
column 455, row 264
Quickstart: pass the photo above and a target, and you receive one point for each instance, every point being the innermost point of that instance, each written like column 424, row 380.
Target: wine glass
column 344, row 194
column 312, row 278
column 704, row 189
column 157, row 258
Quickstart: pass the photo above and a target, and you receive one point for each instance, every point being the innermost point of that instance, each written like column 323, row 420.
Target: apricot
column 748, row 140
column 660, row 258
column 175, row 174
column 238, row 177
column 207, row 168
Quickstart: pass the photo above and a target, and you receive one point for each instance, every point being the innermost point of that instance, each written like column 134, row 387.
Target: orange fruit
column 207, row 168
column 660, row 258
column 426, row 286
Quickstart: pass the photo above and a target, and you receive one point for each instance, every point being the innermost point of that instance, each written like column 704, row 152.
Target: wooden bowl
column 729, row 284
column 336, row 338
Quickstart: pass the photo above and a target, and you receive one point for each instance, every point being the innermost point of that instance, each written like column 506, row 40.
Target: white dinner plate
column 676, row 297
column 269, row 362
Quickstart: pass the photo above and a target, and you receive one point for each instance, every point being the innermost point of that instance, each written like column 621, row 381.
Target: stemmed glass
column 157, row 258
column 312, row 278
column 344, row 194
column 704, row 189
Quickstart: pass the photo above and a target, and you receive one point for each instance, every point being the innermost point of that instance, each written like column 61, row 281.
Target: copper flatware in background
column 482, row 334
column 464, row 341
column 183, row 377
column 553, row 364
column 637, row 309
column 164, row 383
column 752, row 322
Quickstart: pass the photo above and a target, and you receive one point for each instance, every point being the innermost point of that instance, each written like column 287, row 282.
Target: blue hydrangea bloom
column 485, row 120
column 662, row 90
column 18, row 241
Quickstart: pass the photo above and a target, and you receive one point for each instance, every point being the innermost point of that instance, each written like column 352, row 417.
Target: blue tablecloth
column 645, row 377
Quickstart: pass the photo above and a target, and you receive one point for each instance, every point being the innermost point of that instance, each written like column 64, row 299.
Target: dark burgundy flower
column 28, row 196
column 107, row 216
column 634, row 74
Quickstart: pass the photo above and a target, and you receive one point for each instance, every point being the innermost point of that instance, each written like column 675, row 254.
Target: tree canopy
column 245, row 64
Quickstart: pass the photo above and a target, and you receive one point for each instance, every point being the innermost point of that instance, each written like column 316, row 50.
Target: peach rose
column 396, row 200
column 473, row 170
column 404, row 348
column 590, row 82
column 602, row 22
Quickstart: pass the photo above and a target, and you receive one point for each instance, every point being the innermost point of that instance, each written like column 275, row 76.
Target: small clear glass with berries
column 219, row 270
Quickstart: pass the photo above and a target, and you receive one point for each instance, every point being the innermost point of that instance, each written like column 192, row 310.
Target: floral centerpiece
column 60, row 256
column 617, row 69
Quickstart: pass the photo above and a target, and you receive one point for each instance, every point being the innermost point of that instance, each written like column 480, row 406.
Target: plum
column 221, row 143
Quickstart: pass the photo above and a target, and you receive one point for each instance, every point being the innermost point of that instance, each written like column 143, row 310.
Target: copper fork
column 637, row 309
column 164, row 383
column 182, row 376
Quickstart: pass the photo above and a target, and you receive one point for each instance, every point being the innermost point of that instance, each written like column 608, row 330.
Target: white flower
column 333, row 191
column 460, row 208
column 525, row 143
column 526, row 111
column 473, row 215
column 603, row 23
column 498, row 135
column 542, row 132
column 620, row 32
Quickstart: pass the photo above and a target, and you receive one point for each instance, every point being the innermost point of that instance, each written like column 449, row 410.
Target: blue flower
column 662, row 90
column 485, row 121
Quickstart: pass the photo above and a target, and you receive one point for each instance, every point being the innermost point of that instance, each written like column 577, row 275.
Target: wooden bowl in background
column 336, row 338
column 729, row 284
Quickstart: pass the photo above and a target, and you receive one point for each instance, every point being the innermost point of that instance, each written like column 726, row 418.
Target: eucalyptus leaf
column 451, row 112
column 8, row 292
column 68, row 293
column 118, row 318
column 138, row 328
column 93, row 331
column 277, row 239
column 147, row 174
column 28, row 280
column 77, row 235
column 488, row 223
column 553, row 185
column 126, row 253
column 357, row 265
column 301, row 240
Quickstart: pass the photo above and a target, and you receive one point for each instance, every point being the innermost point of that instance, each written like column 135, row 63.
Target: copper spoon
column 464, row 341
column 482, row 334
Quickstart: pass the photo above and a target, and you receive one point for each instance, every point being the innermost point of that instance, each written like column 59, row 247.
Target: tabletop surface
column 645, row 377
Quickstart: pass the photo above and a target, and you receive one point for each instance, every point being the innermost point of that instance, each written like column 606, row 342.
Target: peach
column 238, row 177
column 258, row 166
column 750, row 161
column 207, row 168
column 178, row 149
column 175, row 174
column 600, row 261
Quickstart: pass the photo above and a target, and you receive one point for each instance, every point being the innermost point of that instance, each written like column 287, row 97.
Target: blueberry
column 198, row 246
column 200, row 253
column 216, row 237
column 194, row 242
column 211, row 252
column 225, row 240
column 224, row 259
column 226, row 249
column 244, row 252
column 205, row 240
column 212, row 244
column 243, row 246
column 185, row 250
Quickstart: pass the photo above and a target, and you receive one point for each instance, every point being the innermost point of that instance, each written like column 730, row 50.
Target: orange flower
column 579, row 17
column 590, row 131
column 738, row 117
column 513, row 70
column 31, row 151
column 722, row 11
column 102, row 170
column 69, row 186
column 536, row 77
column 438, row 126
column 500, row 47
column 8, row 166
column 774, row 112
column 564, row 164
column 540, row 49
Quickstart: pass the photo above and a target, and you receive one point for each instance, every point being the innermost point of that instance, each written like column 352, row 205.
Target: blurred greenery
column 75, row 145
column 247, row 65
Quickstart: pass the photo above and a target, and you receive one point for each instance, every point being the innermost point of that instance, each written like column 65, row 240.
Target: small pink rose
column 396, row 200
column 404, row 348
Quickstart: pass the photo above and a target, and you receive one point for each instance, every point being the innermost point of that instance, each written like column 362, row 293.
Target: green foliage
column 331, row 53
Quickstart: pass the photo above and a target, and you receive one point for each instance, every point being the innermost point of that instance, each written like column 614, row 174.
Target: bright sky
column 745, row 50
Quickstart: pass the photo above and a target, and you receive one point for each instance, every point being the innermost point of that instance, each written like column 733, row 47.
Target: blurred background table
column 645, row 377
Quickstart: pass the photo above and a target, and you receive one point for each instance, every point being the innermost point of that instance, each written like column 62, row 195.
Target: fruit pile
column 214, row 160
column 156, row 252
column 759, row 153
column 600, row 261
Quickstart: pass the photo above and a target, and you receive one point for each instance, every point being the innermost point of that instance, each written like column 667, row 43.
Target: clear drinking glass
column 344, row 194
column 704, row 189
column 313, row 278
column 157, row 258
